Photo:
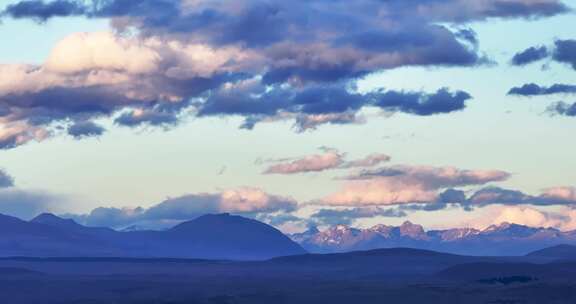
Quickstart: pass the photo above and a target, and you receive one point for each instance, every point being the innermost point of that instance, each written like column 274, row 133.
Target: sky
column 121, row 113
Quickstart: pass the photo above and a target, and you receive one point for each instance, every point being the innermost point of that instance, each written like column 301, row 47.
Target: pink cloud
column 407, row 184
column 329, row 159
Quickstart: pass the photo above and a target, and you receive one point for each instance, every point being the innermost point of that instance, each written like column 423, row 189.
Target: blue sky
column 142, row 166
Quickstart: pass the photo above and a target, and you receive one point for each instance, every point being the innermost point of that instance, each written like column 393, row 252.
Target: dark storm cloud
column 83, row 129
column 532, row 89
column 530, row 55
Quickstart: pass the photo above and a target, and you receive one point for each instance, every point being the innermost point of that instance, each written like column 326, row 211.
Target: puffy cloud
column 407, row 184
column 329, row 159
column 564, row 219
column 567, row 194
column 82, row 52
column 245, row 201
column 532, row 89
column 529, row 55
column 6, row 180
column 85, row 129
column 92, row 75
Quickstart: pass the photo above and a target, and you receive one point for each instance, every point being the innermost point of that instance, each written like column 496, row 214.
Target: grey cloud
column 6, row 181
column 85, row 129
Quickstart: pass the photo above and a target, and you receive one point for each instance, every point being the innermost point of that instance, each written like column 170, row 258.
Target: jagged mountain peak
column 504, row 238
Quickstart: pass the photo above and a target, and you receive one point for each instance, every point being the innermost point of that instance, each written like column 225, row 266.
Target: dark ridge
column 110, row 260
column 14, row 271
column 562, row 251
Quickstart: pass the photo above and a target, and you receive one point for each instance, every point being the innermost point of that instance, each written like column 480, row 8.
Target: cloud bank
column 243, row 201
column 260, row 60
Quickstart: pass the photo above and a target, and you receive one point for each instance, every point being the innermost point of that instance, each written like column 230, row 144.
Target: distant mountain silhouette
column 226, row 235
column 563, row 252
column 502, row 239
column 209, row 237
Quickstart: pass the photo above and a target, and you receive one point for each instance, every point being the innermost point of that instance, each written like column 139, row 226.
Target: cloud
column 557, row 196
column 153, row 117
column 244, row 201
column 368, row 161
column 319, row 104
column 328, row 160
column 443, row 101
column 564, row 220
column 563, row 109
column 170, row 58
column 406, row 184
column 532, row 89
column 565, row 52
column 348, row 216
column 83, row 129
column 27, row 204
column 567, row 194
column 529, row 55
column 306, row 122
column 43, row 11
column 13, row 134
column 6, row 181
column 93, row 75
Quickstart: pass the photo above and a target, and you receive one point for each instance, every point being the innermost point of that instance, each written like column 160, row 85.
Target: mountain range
column 217, row 236
column 503, row 239
column 229, row 237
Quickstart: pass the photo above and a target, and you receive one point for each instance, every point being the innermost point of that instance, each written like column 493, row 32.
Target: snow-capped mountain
column 502, row 239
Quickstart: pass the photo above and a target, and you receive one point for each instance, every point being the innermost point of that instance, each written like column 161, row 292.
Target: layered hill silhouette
column 229, row 237
column 221, row 236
